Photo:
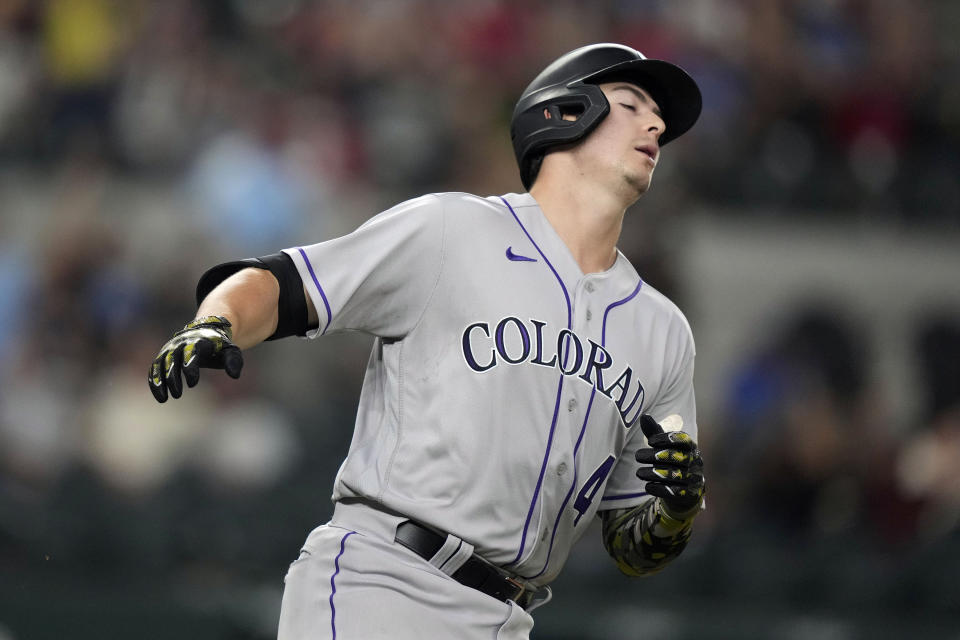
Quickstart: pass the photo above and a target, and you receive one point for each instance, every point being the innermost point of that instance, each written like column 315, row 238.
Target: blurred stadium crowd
column 142, row 141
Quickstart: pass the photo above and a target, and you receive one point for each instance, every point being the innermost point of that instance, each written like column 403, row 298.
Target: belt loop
column 540, row 597
column 452, row 554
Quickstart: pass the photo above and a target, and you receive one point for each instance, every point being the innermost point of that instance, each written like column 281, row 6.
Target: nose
column 655, row 125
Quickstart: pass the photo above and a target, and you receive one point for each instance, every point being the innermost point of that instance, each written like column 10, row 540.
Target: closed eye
column 628, row 106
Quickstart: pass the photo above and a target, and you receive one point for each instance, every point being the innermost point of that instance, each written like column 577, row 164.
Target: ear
column 571, row 113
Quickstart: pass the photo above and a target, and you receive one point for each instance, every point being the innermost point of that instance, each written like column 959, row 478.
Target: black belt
column 475, row 572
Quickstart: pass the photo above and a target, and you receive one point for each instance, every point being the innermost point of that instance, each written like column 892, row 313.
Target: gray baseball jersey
column 503, row 391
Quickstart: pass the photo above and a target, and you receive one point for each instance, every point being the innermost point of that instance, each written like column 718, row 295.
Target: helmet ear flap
column 541, row 124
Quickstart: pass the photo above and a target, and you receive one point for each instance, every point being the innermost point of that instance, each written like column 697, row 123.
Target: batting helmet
column 569, row 85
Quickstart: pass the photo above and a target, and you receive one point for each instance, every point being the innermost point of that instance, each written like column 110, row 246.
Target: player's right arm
column 248, row 300
column 372, row 281
column 240, row 312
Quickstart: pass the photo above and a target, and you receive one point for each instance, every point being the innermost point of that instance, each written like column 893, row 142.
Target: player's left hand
column 676, row 472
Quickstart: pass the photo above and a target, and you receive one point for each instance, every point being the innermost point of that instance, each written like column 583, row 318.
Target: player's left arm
column 644, row 539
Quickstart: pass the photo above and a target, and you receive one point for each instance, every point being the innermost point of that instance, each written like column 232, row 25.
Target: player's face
column 625, row 145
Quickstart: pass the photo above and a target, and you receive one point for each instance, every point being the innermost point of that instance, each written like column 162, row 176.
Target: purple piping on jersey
column 636, row 290
column 319, row 288
column 603, row 336
column 556, row 406
column 603, row 339
column 566, row 499
column 583, row 430
column 333, row 585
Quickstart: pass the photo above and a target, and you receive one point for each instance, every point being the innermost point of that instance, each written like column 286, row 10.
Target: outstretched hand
column 676, row 472
column 205, row 342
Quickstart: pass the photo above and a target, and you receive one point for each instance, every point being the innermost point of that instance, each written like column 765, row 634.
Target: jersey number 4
column 591, row 487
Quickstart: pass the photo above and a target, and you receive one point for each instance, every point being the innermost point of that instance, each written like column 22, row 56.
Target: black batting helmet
column 568, row 85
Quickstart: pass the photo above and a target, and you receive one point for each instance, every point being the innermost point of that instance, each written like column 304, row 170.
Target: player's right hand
column 205, row 342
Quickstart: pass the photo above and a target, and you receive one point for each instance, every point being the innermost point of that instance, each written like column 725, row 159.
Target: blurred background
column 809, row 226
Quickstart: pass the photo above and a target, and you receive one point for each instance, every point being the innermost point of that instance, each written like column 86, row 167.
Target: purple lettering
column 538, row 359
column 468, row 350
column 524, row 336
column 565, row 337
column 639, row 395
column 622, row 383
column 595, row 364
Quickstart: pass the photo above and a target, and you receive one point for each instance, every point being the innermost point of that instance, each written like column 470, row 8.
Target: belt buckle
column 520, row 586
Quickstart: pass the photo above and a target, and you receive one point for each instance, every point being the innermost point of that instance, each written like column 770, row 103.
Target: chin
column 639, row 184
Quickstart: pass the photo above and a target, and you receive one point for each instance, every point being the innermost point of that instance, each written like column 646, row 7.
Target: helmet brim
column 672, row 88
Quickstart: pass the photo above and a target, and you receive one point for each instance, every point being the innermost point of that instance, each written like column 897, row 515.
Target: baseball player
column 523, row 377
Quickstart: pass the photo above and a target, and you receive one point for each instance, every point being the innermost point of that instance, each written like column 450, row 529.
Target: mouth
column 649, row 150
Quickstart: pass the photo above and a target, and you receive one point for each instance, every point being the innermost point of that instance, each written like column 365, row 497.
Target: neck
column 588, row 220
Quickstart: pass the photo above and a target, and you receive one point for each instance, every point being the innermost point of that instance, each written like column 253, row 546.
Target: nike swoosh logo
column 518, row 258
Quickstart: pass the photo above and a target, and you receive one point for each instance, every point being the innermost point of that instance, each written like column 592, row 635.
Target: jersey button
column 589, row 315
column 590, row 287
column 572, row 404
column 561, row 468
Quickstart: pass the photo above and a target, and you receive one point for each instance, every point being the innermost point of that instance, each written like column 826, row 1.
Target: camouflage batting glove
column 205, row 342
column 676, row 472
